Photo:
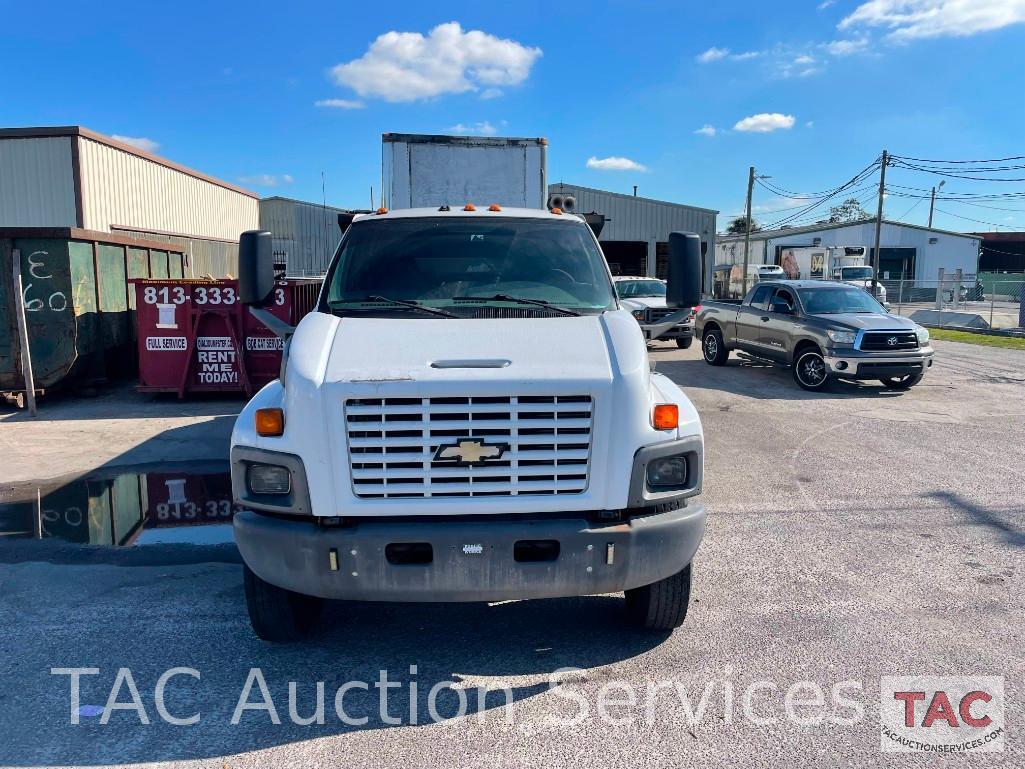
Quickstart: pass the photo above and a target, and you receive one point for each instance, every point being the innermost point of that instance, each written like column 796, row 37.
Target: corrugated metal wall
column 643, row 219
column 215, row 258
column 305, row 234
column 121, row 189
column 37, row 186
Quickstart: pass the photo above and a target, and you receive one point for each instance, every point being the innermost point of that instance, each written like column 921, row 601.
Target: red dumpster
column 196, row 336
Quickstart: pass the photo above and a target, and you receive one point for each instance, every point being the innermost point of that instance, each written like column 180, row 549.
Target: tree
column 738, row 225
column 848, row 211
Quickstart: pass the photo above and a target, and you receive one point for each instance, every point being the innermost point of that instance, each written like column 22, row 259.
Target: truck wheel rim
column 711, row 347
column 811, row 369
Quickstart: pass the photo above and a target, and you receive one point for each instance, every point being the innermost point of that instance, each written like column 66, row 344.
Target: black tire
column 809, row 370
column 663, row 605
column 277, row 614
column 684, row 342
column 901, row 382
column 713, row 348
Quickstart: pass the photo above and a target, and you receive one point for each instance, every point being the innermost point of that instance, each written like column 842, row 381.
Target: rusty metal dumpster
column 78, row 303
column 196, row 336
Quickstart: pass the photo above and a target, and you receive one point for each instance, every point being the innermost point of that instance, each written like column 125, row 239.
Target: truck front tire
column 901, row 382
column 683, row 342
column 810, row 371
column 277, row 614
column 713, row 348
column 662, row 605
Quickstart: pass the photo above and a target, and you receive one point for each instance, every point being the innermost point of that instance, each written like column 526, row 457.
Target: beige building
column 68, row 177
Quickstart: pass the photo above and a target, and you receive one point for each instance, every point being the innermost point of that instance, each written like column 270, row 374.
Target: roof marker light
column 557, row 211
column 382, row 210
column 494, row 207
column 469, row 207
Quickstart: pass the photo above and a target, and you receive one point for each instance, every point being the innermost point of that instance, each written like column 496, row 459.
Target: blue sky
column 232, row 90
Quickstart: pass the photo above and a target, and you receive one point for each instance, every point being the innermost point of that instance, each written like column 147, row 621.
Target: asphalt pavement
column 853, row 534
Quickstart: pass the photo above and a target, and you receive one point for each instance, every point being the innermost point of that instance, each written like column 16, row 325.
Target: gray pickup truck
column 821, row 330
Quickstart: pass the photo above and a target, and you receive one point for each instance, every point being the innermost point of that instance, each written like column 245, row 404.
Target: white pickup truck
column 468, row 415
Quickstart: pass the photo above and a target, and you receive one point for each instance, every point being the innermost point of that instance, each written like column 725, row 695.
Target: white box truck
column 468, row 415
column 843, row 263
column 422, row 170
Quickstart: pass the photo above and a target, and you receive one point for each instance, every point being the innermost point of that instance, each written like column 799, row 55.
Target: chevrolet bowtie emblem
column 470, row 452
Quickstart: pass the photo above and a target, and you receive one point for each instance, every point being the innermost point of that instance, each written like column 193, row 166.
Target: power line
column 927, row 160
column 916, row 205
column 969, row 219
column 941, row 172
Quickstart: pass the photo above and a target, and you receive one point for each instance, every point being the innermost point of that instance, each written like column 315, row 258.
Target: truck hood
column 421, row 349
column 869, row 322
column 639, row 302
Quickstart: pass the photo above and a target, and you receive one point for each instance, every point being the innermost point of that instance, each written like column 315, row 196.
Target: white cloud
column 340, row 103
column 491, row 93
column 804, row 60
column 139, row 142
column 266, row 180
column 846, row 47
column 825, row 4
column 706, row 130
column 713, row 54
column 409, row 66
column 764, row 122
column 482, row 128
column 810, row 124
column 746, row 55
column 613, row 163
column 913, row 19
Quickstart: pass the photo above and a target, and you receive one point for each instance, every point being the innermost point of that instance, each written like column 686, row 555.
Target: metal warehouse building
column 305, row 234
column 72, row 179
column 637, row 229
column 907, row 251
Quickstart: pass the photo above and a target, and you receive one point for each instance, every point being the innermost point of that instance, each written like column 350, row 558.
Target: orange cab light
column 494, row 207
column 666, row 416
column 270, row 422
column 557, row 211
column 469, row 207
column 382, row 210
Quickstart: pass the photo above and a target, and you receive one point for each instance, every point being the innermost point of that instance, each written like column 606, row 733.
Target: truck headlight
column 922, row 334
column 269, row 479
column 638, row 315
column 842, row 337
column 667, row 471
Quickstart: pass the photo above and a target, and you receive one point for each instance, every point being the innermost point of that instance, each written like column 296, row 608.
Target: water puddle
column 175, row 503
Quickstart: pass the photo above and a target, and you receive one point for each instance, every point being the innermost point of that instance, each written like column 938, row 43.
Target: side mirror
column 255, row 266
column 778, row 305
column 683, row 287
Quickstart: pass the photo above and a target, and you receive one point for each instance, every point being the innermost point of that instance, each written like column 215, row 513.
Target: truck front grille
column 545, row 444
column 889, row 340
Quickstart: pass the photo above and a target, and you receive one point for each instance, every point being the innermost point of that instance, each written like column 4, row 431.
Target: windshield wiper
column 405, row 303
column 516, row 300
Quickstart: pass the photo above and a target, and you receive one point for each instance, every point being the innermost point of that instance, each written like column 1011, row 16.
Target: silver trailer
column 425, row 171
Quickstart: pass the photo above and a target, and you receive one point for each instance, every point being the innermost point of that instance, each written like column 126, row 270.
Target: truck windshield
column 856, row 273
column 631, row 288
column 434, row 262
column 835, row 301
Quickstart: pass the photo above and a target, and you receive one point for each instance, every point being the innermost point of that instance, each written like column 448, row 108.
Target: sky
column 677, row 98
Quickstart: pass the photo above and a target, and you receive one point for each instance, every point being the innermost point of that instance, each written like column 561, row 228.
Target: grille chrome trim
column 877, row 341
column 392, row 442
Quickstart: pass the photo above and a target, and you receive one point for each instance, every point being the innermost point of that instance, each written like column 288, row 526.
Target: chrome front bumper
column 855, row 364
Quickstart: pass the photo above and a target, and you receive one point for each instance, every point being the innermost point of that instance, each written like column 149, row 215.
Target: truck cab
column 468, row 415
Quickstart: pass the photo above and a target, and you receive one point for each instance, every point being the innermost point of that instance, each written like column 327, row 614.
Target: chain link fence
column 984, row 301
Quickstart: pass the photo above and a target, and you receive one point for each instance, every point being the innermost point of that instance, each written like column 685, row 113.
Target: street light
column 932, row 202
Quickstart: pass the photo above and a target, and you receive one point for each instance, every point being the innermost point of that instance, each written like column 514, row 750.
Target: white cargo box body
column 422, row 171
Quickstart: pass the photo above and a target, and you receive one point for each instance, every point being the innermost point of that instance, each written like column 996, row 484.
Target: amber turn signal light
column 666, row 416
column 270, row 422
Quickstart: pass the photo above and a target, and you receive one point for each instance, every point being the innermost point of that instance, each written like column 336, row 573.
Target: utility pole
column 747, row 228
column 932, row 202
column 879, row 222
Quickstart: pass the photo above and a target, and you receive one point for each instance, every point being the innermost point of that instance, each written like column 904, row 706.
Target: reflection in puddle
column 181, row 503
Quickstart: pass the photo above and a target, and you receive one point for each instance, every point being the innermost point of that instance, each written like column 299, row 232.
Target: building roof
column 44, row 132
column 638, row 198
column 1005, row 236
column 304, row 203
column 786, row 231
